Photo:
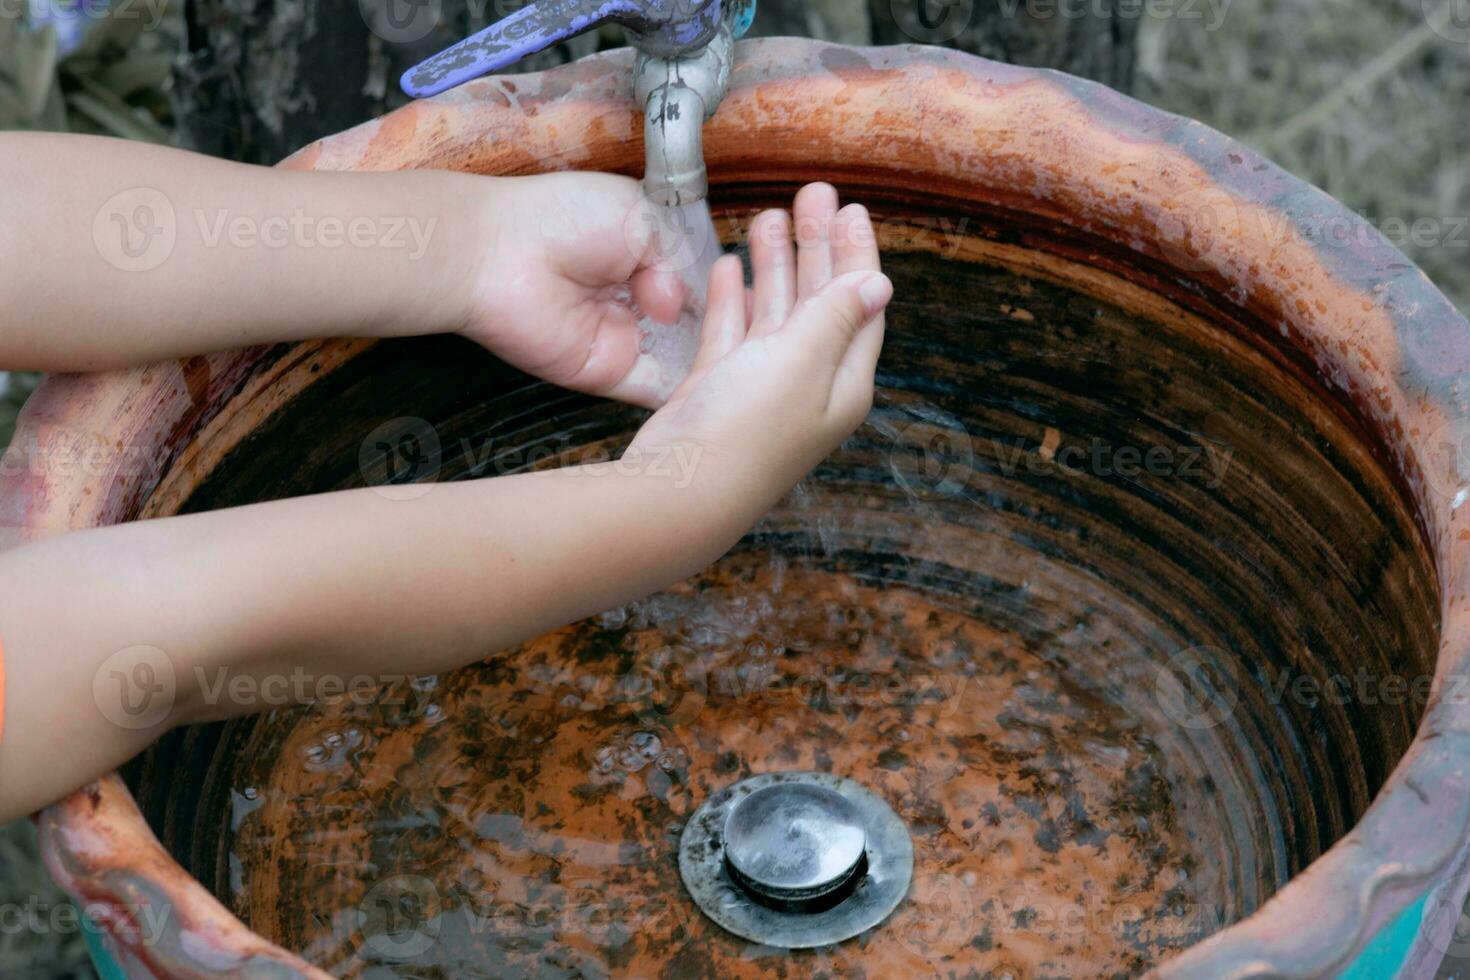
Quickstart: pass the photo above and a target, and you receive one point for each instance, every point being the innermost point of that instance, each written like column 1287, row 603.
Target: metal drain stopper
column 795, row 846
column 796, row 859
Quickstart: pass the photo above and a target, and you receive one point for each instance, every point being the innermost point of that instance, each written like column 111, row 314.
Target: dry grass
column 115, row 81
column 27, row 896
column 1364, row 98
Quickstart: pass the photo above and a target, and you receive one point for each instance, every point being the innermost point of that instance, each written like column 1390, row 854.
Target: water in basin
column 522, row 818
column 1052, row 603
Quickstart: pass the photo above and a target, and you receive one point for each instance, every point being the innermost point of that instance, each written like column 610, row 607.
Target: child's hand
column 568, row 251
column 295, row 585
column 783, row 377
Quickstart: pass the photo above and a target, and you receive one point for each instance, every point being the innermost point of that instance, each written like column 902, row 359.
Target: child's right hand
column 783, row 375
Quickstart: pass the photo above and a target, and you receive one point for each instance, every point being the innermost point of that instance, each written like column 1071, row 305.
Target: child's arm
column 115, row 253
column 112, row 636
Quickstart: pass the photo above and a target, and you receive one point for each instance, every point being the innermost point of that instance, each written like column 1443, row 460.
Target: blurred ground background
column 1368, row 99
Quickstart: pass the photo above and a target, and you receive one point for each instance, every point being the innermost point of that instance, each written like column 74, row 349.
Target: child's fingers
column 830, row 321
column 854, row 251
column 725, row 321
column 857, row 372
column 773, row 259
column 816, row 206
column 854, row 245
column 855, row 248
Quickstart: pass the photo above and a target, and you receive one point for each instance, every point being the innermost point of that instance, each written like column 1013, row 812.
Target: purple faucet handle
column 664, row 27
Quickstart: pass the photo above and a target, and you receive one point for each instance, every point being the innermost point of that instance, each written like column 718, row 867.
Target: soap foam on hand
column 689, row 245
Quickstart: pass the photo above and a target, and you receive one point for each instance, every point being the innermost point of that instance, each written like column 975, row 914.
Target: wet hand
column 783, row 375
column 566, row 260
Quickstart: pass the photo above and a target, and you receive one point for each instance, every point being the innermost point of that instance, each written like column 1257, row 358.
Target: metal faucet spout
column 685, row 48
column 677, row 96
column 673, row 123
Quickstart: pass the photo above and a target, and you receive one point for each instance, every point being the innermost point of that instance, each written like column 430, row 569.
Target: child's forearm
column 115, row 253
column 115, row 635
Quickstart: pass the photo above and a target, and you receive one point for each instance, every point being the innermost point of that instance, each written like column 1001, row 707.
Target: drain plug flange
column 796, row 859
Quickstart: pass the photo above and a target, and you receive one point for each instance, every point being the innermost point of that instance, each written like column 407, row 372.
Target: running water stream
column 689, row 245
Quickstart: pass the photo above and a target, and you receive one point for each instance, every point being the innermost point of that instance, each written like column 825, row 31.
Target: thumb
column 658, row 295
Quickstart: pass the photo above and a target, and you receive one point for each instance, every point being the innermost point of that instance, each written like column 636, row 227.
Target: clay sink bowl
column 1127, row 599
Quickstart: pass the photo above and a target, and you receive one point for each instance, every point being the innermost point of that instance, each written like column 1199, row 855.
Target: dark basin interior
column 1093, row 600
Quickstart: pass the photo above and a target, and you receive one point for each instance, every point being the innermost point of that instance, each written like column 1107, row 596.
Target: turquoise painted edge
column 1389, row 949
column 744, row 19
column 1384, row 957
column 108, row 968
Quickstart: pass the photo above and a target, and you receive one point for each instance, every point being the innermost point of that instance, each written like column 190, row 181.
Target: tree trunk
column 264, row 77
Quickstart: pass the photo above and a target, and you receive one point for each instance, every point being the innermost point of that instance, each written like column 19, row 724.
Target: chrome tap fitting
column 677, row 96
column 685, row 50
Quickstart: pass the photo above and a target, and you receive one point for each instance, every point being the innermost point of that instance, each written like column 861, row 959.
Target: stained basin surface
column 1126, row 598
column 1061, row 676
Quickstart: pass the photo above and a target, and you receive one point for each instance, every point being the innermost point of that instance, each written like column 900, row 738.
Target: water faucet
column 685, row 51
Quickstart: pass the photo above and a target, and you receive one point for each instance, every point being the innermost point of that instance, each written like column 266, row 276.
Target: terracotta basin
column 1128, row 598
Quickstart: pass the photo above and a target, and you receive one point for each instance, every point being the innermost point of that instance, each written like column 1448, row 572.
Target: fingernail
column 875, row 293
